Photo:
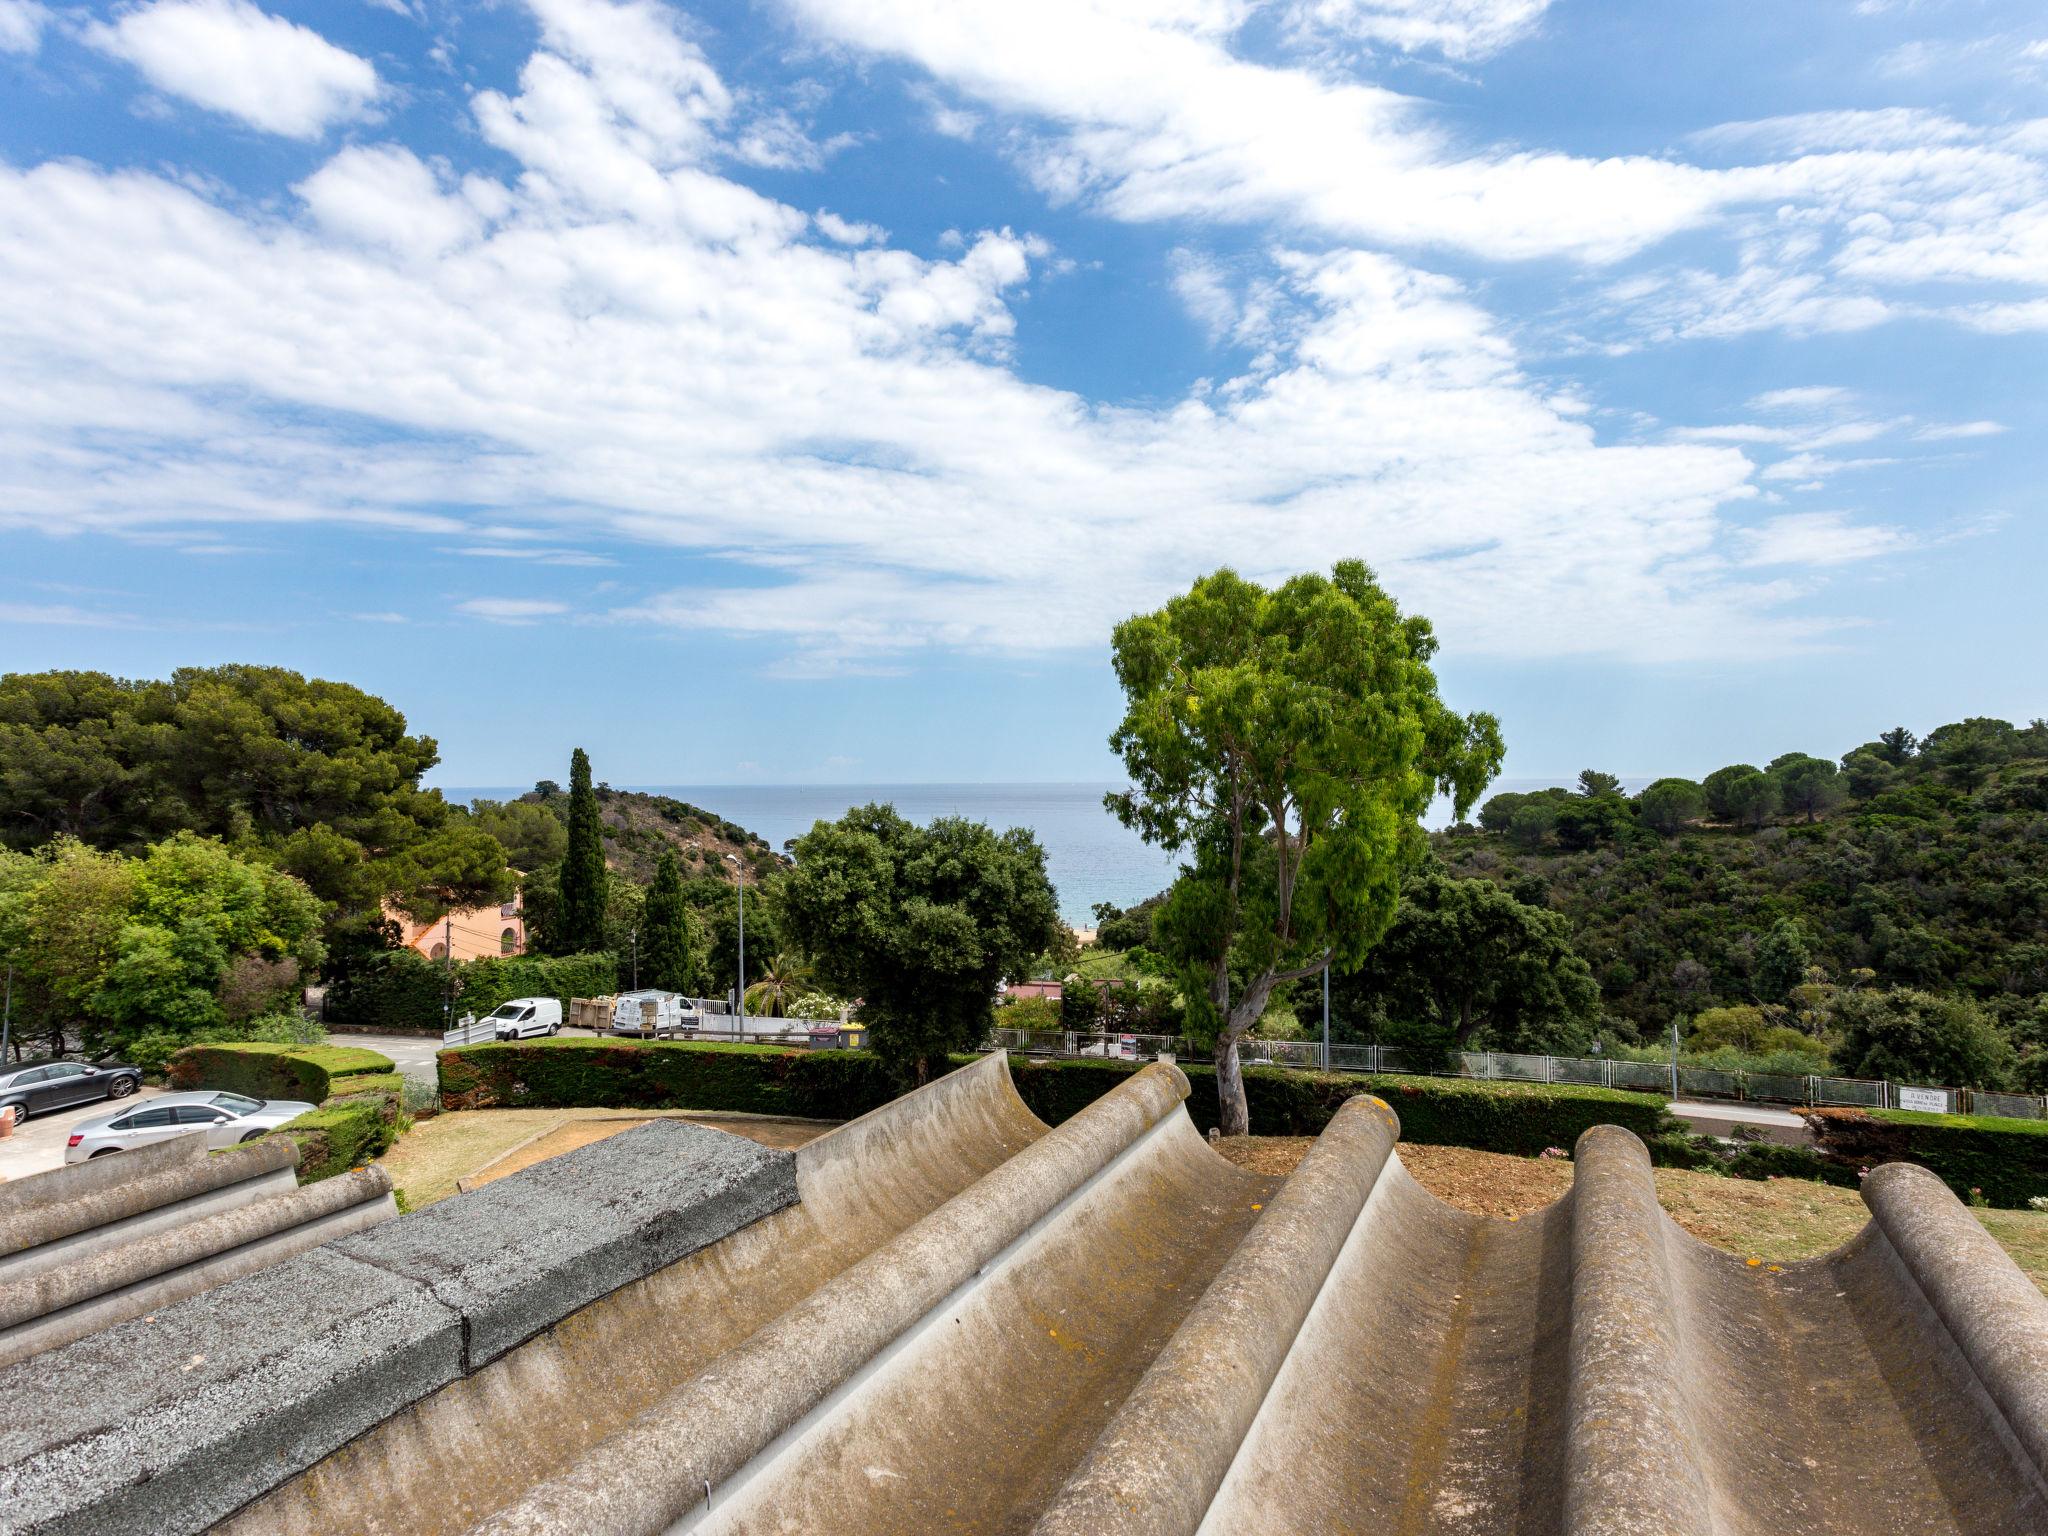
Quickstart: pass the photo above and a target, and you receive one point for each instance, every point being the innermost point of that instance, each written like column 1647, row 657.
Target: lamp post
column 1326, row 1016
column 740, row 884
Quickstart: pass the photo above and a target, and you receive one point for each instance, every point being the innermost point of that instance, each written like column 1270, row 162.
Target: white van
column 659, row 1014
column 525, row 1016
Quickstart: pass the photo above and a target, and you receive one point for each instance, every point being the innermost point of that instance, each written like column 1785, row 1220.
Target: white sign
column 1933, row 1100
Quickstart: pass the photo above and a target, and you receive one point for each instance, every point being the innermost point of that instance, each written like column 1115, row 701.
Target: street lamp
column 740, row 883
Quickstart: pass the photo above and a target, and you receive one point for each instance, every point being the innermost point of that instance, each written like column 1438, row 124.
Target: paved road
column 413, row 1053
column 1713, row 1119
column 40, row 1143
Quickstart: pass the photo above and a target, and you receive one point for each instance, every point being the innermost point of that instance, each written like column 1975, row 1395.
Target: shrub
column 152, row 1052
column 402, row 989
column 343, row 1133
column 1030, row 1013
column 270, row 1071
column 485, row 984
column 2006, row 1159
column 398, row 989
column 744, row 1079
column 1910, row 1036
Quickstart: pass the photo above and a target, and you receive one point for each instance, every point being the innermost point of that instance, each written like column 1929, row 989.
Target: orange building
column 472, row 933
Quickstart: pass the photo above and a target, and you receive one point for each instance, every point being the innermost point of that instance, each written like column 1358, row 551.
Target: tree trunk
column 1232, row 1115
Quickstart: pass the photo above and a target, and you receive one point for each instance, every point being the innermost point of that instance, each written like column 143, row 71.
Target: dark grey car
column 46, row 1085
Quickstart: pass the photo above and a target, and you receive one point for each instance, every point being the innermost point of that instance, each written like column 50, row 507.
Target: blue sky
column 801, row 391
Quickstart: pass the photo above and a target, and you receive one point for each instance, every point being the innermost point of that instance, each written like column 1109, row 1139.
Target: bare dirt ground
column 485, row 1144
column 1776, row 1220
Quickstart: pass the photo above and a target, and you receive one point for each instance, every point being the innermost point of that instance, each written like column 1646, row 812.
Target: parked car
column 43, row 1085
column 226, row 1118
column 525, row 1016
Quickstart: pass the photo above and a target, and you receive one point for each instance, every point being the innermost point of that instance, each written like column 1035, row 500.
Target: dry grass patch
column 427, row 1160
column 1778, row 1220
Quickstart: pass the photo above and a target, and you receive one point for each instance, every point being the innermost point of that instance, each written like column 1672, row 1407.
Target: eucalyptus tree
column 1286, row 743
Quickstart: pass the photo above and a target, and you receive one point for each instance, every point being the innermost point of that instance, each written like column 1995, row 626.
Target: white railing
column 1659, row 1077
column 469, row 1030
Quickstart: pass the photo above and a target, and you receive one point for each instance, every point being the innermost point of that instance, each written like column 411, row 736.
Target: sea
column 1090, row 856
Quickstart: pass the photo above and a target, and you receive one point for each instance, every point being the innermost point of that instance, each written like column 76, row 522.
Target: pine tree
column 584, row 877
column 671, row 943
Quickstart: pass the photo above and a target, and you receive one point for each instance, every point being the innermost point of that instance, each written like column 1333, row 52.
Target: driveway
column 413, row 1053
column 39, row 1144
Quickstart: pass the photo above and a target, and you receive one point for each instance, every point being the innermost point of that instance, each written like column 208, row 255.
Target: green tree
column 1720, row 790
column 1593, row 783
column 672, row 947
column 919, row 923
column 1897, row 745
column 1286, row 742
column 1781, row 961
column 1868, row 773
column 1750, row 798
column 185, row 938
column 1807, row 785
column 784, row 979
column 1667, row 805
column 319, row 776
column 580, row 909
column 1919, row 1037
column 1479, row 967
column 531, row 834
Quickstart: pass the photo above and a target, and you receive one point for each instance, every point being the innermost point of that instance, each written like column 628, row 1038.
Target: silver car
column 226, row 1118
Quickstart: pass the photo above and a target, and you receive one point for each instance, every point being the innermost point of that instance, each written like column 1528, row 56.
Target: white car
column 525, row 1016
column 227, row 1118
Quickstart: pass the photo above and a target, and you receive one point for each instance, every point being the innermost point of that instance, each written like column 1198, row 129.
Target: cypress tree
column 671, row 948
column 584, row 877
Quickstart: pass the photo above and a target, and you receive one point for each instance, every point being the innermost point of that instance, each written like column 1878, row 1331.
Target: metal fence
column 1659, row 1077
column 469, row 1031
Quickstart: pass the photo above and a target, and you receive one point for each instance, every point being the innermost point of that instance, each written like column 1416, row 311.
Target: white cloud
column 1803, row 398
column 1818, row 539
column 229, row 56
column 619, row 342
column 61, row 615
column 1952, row 431
column 21, row 25
column 847, row 232
column 1458, row 29
column 1148, row 114
column 385, row 195
column 511, row 610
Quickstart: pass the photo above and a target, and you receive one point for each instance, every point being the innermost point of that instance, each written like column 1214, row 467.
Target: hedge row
column 566, row 1073
column 571, row 1072
column 402, row 989
column 358, row 1092
column 266, row 1071
column 1519, row 1118
column 2005, row 1162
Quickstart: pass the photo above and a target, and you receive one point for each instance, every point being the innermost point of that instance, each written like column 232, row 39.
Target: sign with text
column 1933, row 1100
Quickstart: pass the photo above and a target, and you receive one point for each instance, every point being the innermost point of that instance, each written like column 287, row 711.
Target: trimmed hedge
column 399, row 989
column 343, row 1133
column 1518, row 1118
column 568, row 1072
column 564, row 1073
column 483, row 985
column 402, row 989
column 266, row 1071
column 2006, row 1160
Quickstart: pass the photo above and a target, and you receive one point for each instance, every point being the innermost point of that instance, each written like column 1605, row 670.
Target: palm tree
column 786, row 979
